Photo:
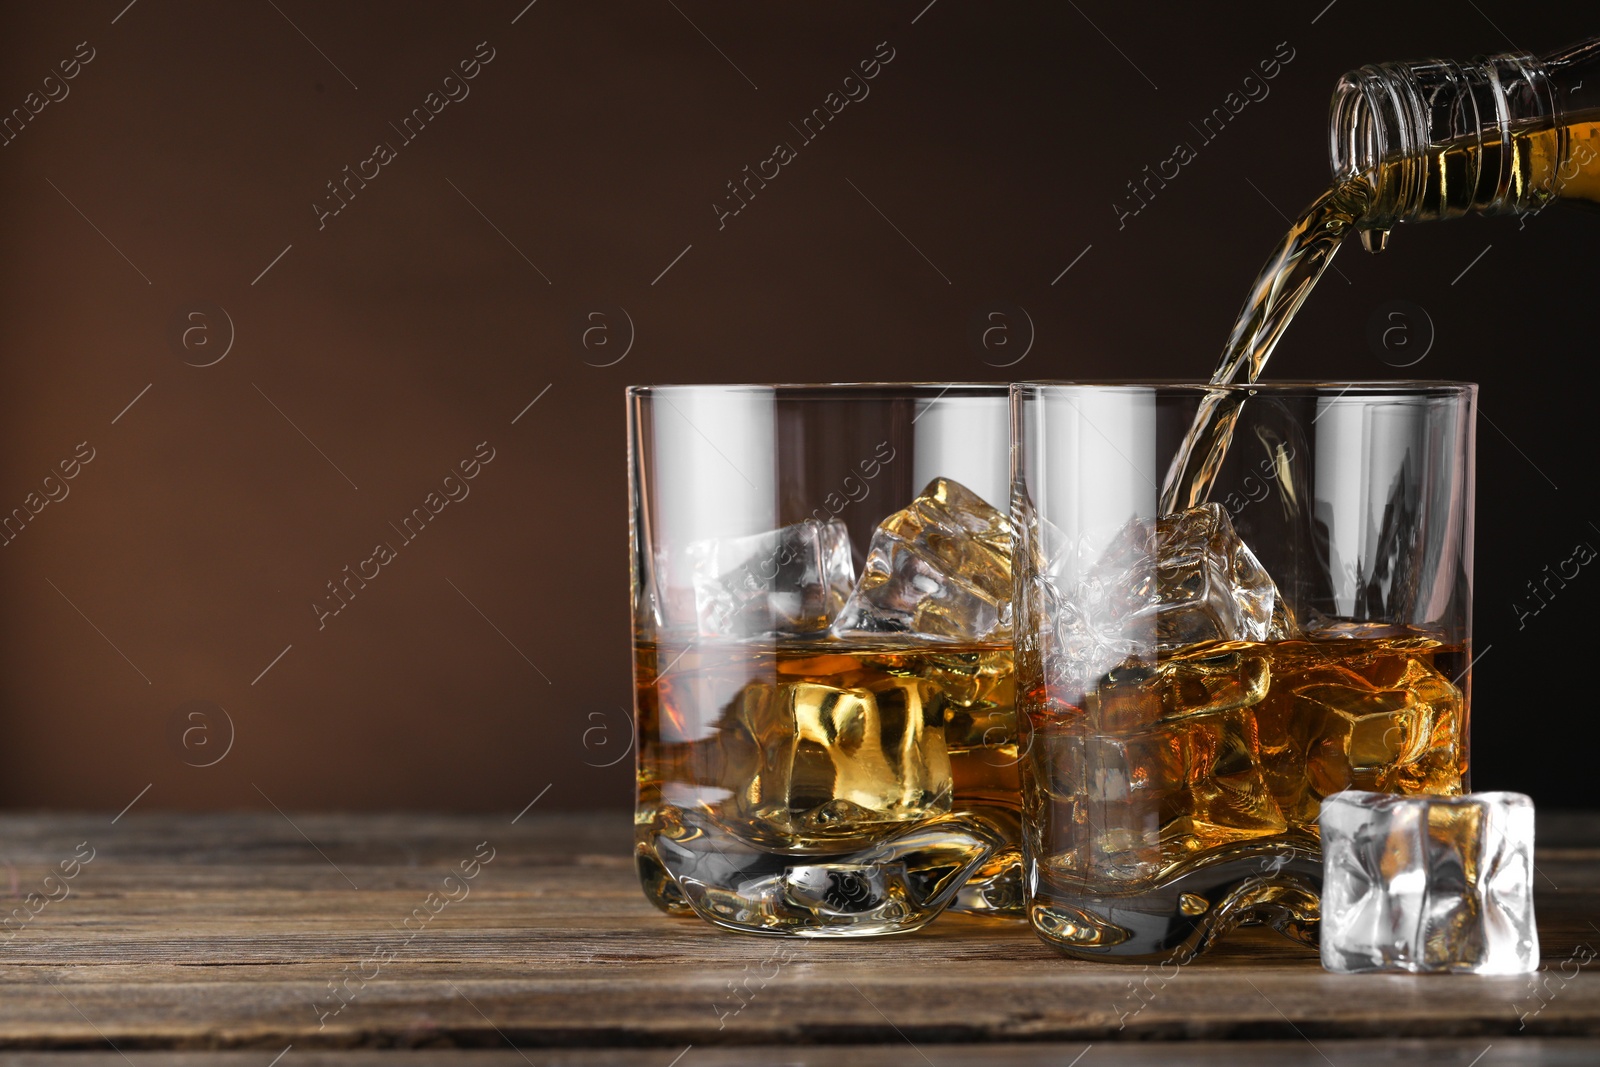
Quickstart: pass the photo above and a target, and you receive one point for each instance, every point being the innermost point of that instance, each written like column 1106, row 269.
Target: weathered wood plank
column 1441, row 1053
column 1525, row 1052
column 218, row 932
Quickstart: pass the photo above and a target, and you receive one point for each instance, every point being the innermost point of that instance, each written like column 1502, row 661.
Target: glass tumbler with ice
column 1192, row 685
column 823, row 660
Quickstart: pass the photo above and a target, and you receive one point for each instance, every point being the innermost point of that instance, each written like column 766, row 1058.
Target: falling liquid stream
column 1288, row 277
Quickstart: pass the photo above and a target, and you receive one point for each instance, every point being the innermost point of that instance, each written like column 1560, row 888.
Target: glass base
column 691, row 865
column 1176, row 920
column 995, row 888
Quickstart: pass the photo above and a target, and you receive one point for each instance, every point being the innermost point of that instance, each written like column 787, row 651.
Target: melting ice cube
column 790, row 580
column 939, row 568
column 1428, row 883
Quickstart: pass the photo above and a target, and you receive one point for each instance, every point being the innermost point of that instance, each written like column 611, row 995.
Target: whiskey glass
column 1192, row 685
column 822, row 654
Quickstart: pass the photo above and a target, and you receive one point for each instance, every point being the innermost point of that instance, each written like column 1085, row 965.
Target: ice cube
column 1104, row 790
column 1206, row 681
column 1160, row 586
column 1183, row 736
column 1224, row 795
column 837, row 762
column 1392, row 734
column 790, row 580
column 1163, row 762
column 1428, row 883
column 939, row 568
column 1209, row 585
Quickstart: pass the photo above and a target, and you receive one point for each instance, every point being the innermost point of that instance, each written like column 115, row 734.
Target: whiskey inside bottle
column 1546, row 163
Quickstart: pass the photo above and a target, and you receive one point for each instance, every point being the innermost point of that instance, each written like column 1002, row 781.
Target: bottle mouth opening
column 1355, row 142
column 1376, row 132
column 1391, row 124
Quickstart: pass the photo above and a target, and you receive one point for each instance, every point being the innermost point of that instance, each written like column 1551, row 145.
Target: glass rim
column 831, row 390
column 1303, row 387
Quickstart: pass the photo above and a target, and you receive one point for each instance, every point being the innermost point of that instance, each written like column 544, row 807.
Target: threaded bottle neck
column 1436, row 139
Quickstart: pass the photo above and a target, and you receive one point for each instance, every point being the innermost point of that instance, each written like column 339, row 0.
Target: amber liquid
column 1236, row 743
column 819, row 748
column 1548, row 163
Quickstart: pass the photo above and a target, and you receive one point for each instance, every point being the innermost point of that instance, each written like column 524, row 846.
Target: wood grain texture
column 225, row 932
column 1525, row 1052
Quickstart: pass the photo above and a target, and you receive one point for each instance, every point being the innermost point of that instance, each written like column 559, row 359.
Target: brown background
column 408, row 330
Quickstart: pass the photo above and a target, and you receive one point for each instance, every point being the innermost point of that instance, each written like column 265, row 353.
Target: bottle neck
column 1439, row 139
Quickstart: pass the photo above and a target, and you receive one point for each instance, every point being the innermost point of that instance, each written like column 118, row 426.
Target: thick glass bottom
column 691, row 865
column 1178, row 918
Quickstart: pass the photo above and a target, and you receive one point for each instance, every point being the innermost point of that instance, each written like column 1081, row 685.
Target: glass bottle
column 1437, row 139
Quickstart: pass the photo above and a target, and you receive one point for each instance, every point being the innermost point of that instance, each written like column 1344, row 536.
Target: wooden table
column 220, row 939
